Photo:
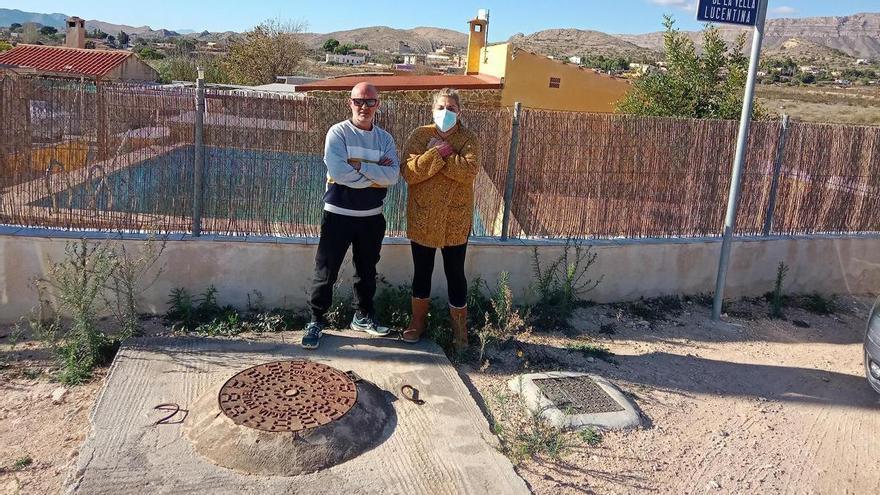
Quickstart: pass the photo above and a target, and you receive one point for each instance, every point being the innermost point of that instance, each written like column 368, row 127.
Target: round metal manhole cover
column 287, row 396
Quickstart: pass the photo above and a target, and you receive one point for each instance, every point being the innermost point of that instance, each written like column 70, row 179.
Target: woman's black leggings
column 453, row 265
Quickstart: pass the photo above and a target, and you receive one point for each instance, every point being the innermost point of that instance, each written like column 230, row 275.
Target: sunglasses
column 369, row 102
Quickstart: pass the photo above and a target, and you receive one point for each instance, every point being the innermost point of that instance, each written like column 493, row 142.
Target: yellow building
column 537, row 81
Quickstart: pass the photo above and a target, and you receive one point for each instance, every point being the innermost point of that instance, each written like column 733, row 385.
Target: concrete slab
column 443, row 446
column 536, row 401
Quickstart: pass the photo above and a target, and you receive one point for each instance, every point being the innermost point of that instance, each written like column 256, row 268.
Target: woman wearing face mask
column 442, row 160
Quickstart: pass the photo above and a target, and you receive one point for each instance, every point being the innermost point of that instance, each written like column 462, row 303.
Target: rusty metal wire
column 120, row 157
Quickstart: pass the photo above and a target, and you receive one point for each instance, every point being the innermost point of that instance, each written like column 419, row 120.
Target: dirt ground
column 855, row 105
column 33, row 427
column 751, row 405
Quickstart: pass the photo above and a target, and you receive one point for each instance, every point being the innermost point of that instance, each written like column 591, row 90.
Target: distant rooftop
column 64, row 60
column 393, row 83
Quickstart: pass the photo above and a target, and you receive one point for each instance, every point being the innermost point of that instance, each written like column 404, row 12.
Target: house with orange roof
column 508, row 71
column 74, row 60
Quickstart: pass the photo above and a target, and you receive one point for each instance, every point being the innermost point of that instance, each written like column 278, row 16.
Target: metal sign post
column 744, row 13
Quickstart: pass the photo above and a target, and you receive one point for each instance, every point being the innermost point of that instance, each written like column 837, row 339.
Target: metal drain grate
column 577, row 395
column 287, row 396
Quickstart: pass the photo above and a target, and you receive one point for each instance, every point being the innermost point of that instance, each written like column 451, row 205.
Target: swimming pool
column 239, row 184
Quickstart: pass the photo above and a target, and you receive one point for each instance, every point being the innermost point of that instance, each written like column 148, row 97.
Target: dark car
column 872, row 347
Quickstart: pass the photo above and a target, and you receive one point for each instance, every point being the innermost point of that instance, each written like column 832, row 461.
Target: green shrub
column 590, row 436
column 78, row 283
column 560, row 286
column 592, row 350
column 776, row 300
column 204, row 315
column 537, row 437
column 128, row 281
column 504, row 321
column 819, row 304
column 22, row 462
column 393, row 305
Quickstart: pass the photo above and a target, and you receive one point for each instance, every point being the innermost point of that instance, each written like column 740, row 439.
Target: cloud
column 783, row 10
column 681, row 4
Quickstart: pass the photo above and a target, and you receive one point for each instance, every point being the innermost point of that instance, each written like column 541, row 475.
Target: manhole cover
column 577, row 395
column 287, row 396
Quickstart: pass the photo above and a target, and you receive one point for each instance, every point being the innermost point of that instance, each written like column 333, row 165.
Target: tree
column 48, row 30
column 273, row 48
column 330, row 45
column 184, row 47
column 111, row 41
column 4, row 45
column 347, row 48
column 710, row 85
column 14, row 26
column 181, row 68
column 123, row 38
column 90, row 44
column 149, row 53
column 808, row 78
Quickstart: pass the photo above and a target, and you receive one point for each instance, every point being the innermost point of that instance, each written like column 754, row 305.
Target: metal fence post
column 777, row 168
column 199, row 164
column 511, row 172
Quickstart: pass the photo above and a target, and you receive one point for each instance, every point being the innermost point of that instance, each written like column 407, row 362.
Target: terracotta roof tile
column 59, row 59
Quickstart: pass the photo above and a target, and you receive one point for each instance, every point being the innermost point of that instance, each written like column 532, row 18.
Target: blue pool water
column 239, row 184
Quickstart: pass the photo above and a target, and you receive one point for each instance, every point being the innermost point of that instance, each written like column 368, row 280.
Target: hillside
column 577, row 42
column 144, row 31
column 9, row 16
column 856, row 35
column 383, row 38
column 808, row 52
column 809, row 38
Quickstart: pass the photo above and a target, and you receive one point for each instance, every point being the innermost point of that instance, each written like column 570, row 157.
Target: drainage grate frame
column 577, row 395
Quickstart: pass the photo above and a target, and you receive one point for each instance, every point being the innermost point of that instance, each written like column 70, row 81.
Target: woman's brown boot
column 418, row 323
column 458, row 316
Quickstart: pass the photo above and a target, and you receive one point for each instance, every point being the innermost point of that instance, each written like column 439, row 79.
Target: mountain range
column 820, row 38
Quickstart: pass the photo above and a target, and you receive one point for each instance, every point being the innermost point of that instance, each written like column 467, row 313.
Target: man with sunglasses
column 362, row 163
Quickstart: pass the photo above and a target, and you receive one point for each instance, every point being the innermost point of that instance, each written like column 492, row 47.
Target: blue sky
column 506, row 17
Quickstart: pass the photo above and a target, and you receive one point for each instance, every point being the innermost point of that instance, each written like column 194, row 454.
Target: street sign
column 740, row 12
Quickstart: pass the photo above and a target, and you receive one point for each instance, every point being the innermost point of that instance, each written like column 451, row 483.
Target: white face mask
column 444, row 119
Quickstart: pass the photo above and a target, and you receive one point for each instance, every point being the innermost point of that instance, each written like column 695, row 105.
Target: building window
column 555, row 81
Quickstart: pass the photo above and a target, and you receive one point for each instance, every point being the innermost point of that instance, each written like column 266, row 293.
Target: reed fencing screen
column 121, row 157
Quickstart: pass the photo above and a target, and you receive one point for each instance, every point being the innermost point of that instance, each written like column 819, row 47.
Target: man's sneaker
column 312, row 336
column 368, row 323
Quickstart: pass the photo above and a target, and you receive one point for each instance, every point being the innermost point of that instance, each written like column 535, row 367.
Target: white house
column 433, row 59
column 344, row 59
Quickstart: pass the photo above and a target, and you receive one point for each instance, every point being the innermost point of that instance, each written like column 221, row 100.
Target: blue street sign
column 740, row 12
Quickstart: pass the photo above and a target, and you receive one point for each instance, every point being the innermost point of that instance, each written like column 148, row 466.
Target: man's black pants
column 338, row 232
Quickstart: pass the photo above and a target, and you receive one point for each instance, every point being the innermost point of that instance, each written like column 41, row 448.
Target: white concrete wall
column 281, row 269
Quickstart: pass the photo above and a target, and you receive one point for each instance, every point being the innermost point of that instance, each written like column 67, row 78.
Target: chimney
column 76, row 33
column 476, row 41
